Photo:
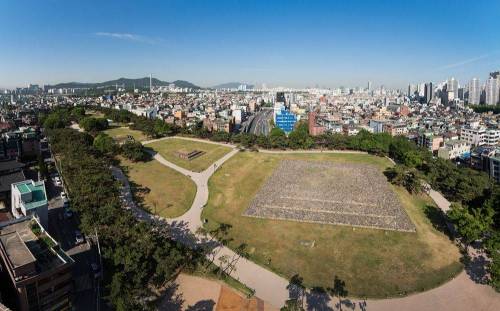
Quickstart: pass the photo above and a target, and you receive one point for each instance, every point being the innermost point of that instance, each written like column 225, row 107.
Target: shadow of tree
column 204, row 305
column 317, row 300
column 437, row 219
column 476, row 268
column 171, row 300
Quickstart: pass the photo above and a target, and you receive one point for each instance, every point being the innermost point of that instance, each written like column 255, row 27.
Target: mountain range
column 231, row 85
column 124, row 82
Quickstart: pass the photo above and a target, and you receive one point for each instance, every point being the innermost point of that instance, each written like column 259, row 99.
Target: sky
column 295, row 43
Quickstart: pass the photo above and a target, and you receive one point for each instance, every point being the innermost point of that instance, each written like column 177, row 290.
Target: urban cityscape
column 191, row 162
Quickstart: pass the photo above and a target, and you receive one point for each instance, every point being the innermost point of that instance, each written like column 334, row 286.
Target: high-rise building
column 492, row 91
column 452, row 86
column 369, row 86
column 429, row 92
column 474, row 92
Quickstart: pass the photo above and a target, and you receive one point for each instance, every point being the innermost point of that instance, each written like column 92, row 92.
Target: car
column 96, row 271
column 64, row 196
column 57, row 181
column 79, row 237
column 68, row 214
column 66, row 204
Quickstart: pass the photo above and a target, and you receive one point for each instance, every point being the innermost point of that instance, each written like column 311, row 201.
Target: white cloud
column 467, row 61
column 128, row 37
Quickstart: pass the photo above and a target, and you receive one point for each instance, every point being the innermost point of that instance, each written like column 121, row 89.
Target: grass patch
column 373, row 263
column 155, row 184
column 120, row 133
column 167, row 148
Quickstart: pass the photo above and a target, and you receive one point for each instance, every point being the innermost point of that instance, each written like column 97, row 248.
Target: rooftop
column 37, row 197
column 26, row 242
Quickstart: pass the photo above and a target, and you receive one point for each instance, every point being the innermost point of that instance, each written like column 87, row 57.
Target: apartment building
column 480, row 135
column 40, row 273
column 454, row 149
column 429, row 141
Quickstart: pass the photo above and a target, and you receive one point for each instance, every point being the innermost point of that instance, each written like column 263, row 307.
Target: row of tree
column 136, row 258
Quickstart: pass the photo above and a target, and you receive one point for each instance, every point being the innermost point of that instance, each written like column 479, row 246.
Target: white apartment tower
column 474, row 92
column 492, row 91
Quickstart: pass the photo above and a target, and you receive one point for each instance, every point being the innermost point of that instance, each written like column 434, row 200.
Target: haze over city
column 280, row 43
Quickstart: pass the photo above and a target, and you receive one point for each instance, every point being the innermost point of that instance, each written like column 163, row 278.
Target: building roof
column 37, row 191
column 9, row 179
column 10, row 165
column 22, row 246
column 17, row 252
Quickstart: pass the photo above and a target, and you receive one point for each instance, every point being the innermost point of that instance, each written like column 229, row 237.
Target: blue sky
column 288, row 43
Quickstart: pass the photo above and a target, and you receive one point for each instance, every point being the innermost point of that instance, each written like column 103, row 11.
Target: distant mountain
column 124, row 82
column 231, row 85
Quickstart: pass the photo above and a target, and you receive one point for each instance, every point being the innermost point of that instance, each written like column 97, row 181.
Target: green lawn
column 167, row 148
column 155, row 184
column 121, row 133
column 373, row 263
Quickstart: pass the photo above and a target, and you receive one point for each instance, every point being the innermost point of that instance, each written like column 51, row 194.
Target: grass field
column 155, row 184
column 168, row 148
column 373, row 263
column 120, row 133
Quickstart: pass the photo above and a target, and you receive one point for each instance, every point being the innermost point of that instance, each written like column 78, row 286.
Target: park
column 316, row 215
column 409, row 255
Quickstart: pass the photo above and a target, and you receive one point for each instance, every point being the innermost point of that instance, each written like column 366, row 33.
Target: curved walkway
column 461, row 293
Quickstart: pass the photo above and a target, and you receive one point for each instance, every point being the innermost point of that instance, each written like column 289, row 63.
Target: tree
column 338, row 290
column 54, row 121
column 406, row 177
column 105, row 144
column 299, row 138
column 91, row 124
column 42, row 167
column 278, row 139
column 134, row 150
column 471, row 225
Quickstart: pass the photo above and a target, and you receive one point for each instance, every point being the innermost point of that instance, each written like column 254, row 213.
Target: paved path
column 461, row 293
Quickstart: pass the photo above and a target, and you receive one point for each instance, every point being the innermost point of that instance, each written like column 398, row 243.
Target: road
column 63, row 230
column 259, row 124
column 461, row 293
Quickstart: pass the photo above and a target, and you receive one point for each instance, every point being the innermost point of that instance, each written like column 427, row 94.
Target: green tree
column 470, row 225
column 299, row 138
column 105, row 144
column 278, row 139
column 134, row 151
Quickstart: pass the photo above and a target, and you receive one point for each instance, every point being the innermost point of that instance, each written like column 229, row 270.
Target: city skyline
column 290, row 44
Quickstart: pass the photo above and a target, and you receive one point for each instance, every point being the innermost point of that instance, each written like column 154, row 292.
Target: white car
column 64, row 196
column 57, row 181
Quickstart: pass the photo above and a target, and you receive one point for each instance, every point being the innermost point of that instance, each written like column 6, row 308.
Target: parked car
column 66, row 204
column 79, row 237
column 64, row 196
column 68, row 214
column 57, row 181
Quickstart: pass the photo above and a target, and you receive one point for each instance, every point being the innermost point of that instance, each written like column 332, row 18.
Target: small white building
column 30, row 198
